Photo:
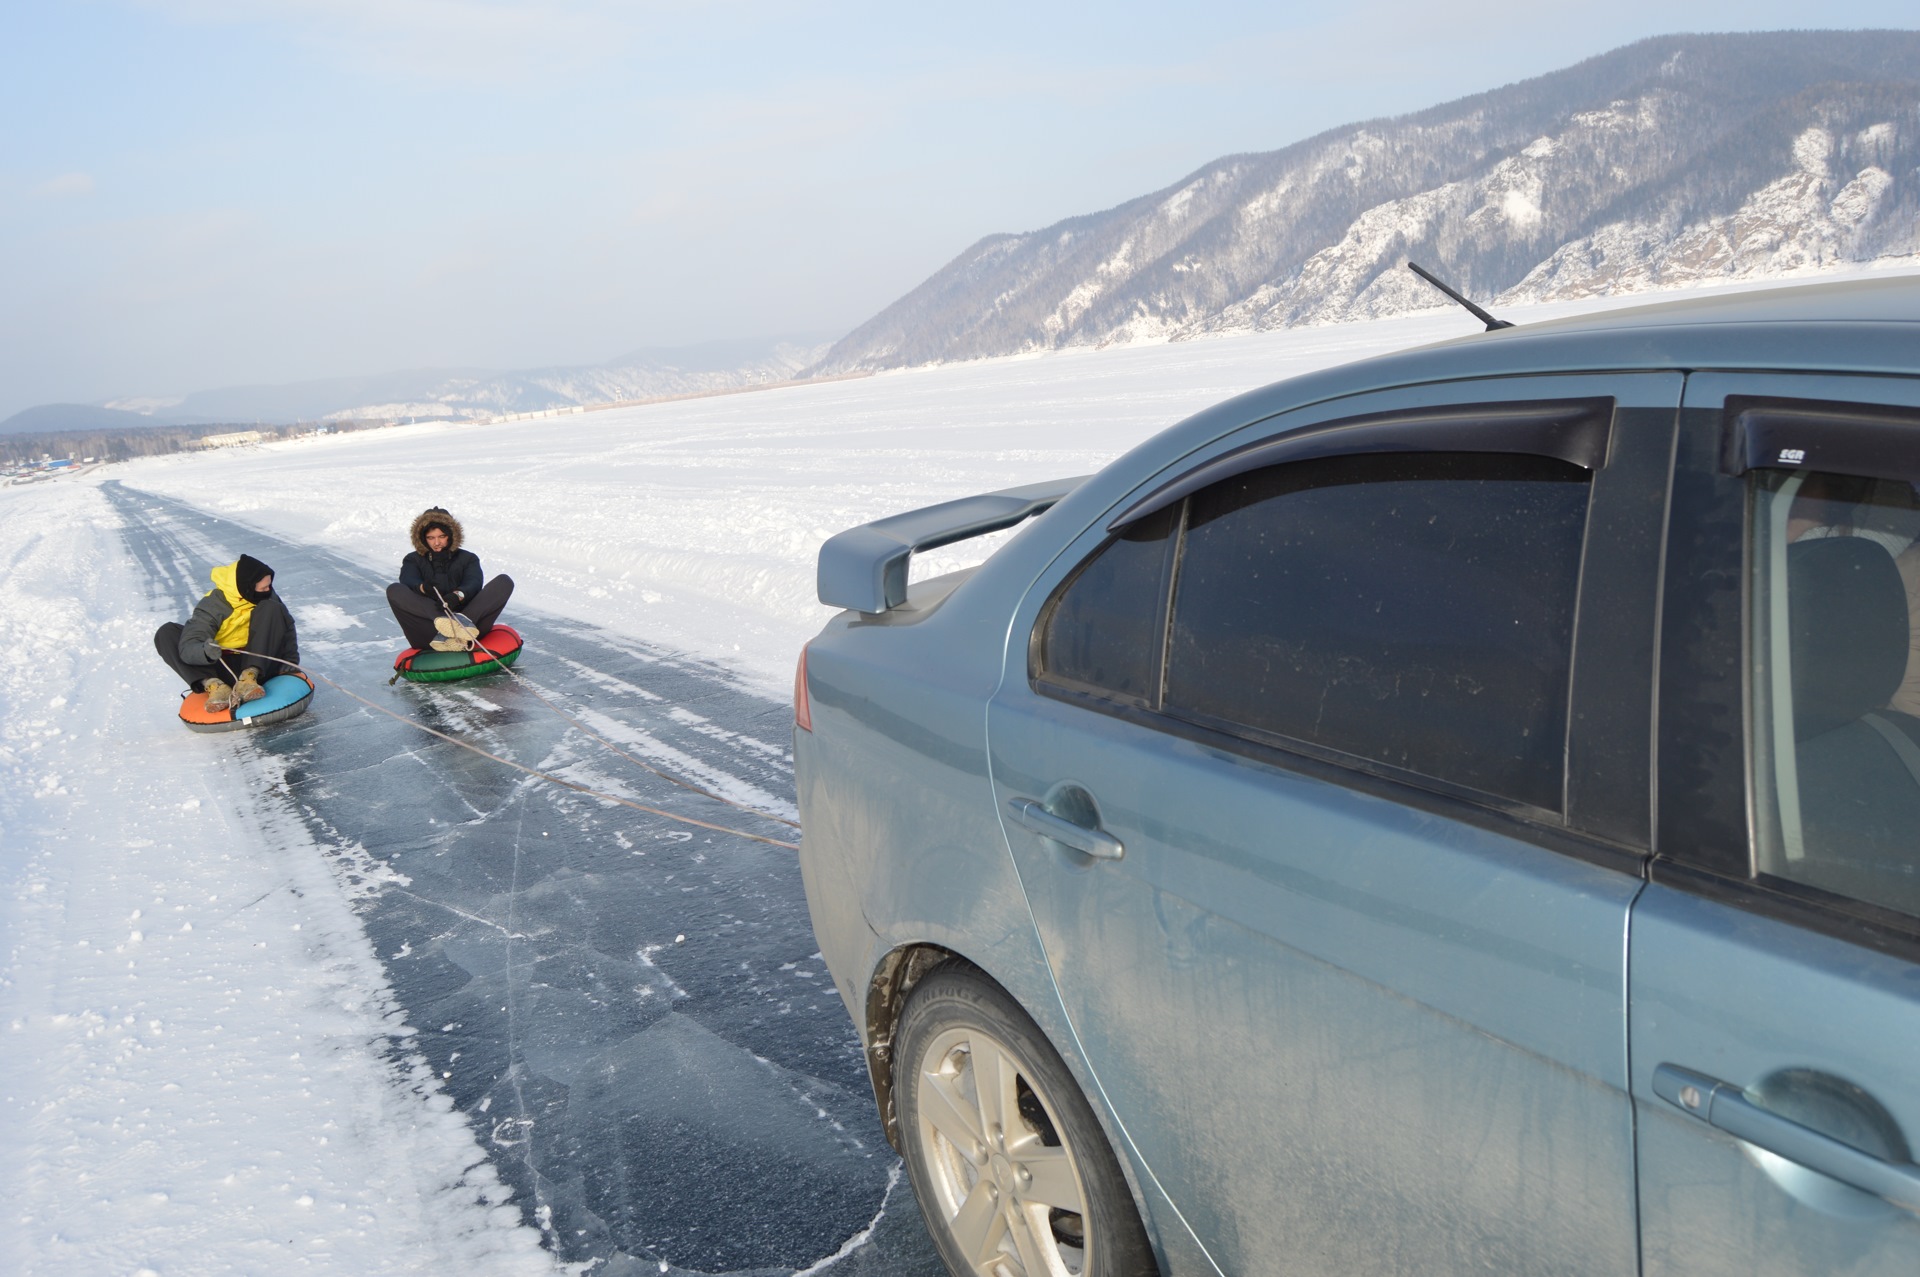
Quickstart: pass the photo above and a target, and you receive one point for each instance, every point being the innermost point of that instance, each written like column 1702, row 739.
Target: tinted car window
column 1836, row 684
column 1414, row 610
column 1103, row 628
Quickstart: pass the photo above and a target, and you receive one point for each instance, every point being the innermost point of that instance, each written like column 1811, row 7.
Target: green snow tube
column 498, row 648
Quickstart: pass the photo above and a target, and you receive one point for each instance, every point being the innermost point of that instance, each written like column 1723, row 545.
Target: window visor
column 1839, row 438
column 1573, row 430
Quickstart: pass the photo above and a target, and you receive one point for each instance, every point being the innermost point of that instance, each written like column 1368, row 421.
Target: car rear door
column 1775, row 958
column 1327, row 783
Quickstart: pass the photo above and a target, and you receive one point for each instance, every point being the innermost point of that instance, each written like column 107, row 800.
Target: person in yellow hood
column 222, row 649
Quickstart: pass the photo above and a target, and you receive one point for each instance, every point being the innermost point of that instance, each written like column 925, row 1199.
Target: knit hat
column 246, row 575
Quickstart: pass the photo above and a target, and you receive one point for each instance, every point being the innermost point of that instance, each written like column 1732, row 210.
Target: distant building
column 234, row 440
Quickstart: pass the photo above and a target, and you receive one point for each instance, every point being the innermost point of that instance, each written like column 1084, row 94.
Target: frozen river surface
column 628, row 1011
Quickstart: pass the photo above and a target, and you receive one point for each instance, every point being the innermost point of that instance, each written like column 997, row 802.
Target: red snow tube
column 493, row 651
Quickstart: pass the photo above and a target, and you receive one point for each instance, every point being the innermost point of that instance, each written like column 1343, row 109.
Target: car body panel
column 893, row 777
column 1745, row 998
column 902, row 849
column 1286, row 1028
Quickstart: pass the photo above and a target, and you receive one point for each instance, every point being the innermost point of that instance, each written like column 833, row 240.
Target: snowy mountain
column 72, row 416
column 461, row 394
column 1674, row 161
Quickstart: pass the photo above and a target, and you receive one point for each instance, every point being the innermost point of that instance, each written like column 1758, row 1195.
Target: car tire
column 1018, row 1180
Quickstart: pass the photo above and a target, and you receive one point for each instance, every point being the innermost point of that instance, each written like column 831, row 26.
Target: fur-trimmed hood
column 426, row 519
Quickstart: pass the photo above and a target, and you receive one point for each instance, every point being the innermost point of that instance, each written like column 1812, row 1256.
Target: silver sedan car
column 1455, row 813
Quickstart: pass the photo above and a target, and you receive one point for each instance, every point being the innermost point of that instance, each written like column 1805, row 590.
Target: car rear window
column 1102, row 631
column 1412, row 610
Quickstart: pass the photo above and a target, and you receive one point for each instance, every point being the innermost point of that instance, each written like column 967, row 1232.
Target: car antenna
column 1478, row 313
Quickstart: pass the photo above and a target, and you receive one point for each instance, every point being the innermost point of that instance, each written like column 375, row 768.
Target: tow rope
column 560, row 780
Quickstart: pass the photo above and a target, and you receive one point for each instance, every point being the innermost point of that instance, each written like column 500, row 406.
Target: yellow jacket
column 233, row 631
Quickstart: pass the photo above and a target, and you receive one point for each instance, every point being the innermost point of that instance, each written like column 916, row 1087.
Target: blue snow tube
column 285, row 695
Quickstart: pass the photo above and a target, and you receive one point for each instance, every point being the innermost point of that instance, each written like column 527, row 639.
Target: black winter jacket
column 455, row 573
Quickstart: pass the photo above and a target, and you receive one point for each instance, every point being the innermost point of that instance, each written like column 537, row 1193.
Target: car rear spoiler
column 865, row 568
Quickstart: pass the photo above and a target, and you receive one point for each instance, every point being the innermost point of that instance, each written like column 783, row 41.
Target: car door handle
column 1097, row 843
column 1722, row 1106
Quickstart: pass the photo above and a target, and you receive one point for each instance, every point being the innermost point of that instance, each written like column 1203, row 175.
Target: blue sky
column 197, row 193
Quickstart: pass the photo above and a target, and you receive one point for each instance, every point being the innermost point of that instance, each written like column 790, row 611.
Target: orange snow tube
column 287, row 695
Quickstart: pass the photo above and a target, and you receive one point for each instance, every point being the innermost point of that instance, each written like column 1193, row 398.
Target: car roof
column 1891, row 299
column 1860, row 325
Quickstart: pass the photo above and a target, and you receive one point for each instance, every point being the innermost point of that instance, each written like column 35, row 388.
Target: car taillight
column 802, row 711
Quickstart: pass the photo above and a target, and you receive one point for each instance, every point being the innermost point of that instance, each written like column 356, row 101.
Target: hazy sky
column 197, row 193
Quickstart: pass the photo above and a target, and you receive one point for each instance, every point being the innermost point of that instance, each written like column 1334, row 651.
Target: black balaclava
column 247, row 574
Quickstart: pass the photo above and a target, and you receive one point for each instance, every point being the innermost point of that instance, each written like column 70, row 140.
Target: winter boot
column 248, row 688
column 455, row 627
column 219, row 695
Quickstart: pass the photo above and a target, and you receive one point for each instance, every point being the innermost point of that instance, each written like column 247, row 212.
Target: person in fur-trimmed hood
column 239, row 636
column 443, row 600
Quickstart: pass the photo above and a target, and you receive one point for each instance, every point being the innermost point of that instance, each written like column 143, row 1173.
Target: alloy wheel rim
column 1007, row 1185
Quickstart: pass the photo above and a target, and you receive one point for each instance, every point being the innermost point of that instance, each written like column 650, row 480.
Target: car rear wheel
column 1011, row 1168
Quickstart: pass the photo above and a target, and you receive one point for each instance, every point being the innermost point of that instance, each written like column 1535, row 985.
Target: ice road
column 627, row 1011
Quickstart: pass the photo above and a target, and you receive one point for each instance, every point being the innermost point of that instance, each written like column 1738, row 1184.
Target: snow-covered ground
column 203, row 1069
